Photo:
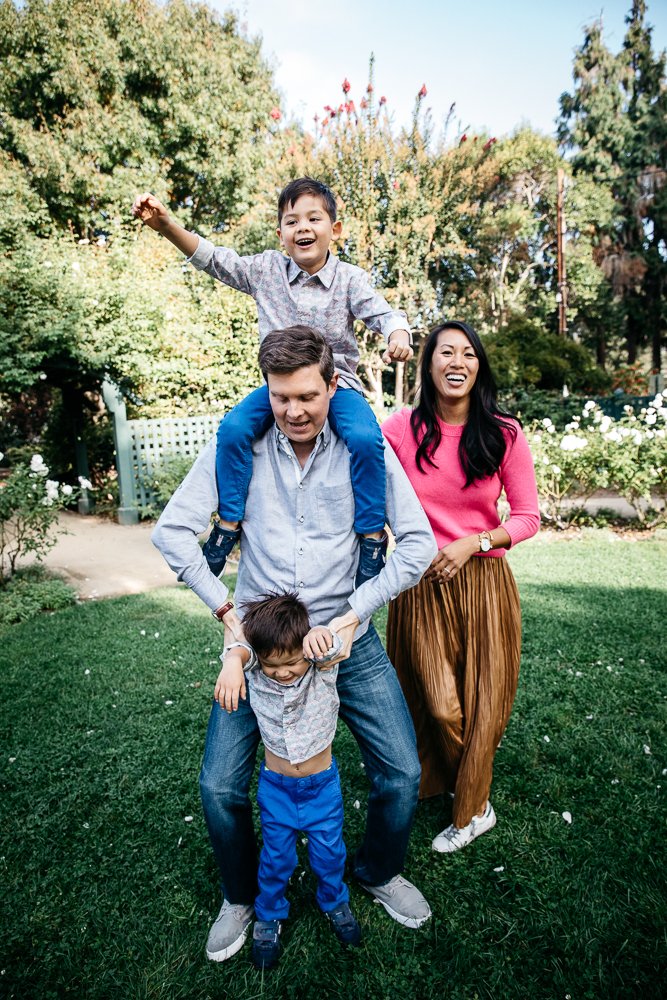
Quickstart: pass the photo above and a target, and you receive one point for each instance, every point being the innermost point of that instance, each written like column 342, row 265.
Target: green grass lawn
column 108, row 883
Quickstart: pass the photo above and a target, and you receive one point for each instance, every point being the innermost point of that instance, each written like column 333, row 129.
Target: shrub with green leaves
column 595, row 452
column 29, row 505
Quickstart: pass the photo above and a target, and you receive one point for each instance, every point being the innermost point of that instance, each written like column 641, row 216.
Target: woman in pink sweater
column 455, row 638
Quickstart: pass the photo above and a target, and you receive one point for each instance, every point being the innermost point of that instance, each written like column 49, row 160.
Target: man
column 298, row 535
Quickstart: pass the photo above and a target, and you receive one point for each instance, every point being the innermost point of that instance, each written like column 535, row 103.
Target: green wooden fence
column 141, row 445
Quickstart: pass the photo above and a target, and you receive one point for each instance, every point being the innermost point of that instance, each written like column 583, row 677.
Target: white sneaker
column 453, row 838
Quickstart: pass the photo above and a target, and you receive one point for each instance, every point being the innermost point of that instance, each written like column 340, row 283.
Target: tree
column 99, row 101
column 102, row 99
column 615, row 124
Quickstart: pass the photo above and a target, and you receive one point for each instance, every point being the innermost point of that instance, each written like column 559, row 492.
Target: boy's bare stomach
column 320, row 762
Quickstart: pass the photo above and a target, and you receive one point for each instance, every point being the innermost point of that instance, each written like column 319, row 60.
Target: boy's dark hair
column 306, row 185
column 285, row 351
column 275, row 623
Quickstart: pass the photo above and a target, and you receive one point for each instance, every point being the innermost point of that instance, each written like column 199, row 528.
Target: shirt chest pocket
column 335, row 509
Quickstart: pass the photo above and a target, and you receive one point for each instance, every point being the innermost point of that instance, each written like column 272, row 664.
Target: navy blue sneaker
column 344, row 925
column 217, row 547
column 372, row 557
column 266, row 943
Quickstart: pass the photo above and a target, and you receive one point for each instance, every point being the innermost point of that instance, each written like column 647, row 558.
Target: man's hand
column 231, row 681
column 452, row 558
column 398, row 348
column 150, row 210
column 317, row 642
column 346, row 625
column 233, row 627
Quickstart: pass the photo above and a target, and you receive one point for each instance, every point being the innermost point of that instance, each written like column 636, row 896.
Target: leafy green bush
column 29, row 505
column 595, row 452
column 166, row 478
column 525, row 354
column 29, row 592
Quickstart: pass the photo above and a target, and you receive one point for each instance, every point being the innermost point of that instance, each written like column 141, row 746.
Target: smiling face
column 300, row 404
column 306, row 231
column 284, row 667
column 454, row 369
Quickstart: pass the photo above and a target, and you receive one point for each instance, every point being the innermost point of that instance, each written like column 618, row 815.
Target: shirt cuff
column 395, row 324
column 202, row 255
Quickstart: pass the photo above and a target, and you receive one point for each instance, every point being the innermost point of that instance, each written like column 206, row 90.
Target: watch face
column 485, row 545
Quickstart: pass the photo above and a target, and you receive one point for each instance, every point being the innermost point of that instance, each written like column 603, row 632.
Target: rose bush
column 29, row 505
column 595, row 452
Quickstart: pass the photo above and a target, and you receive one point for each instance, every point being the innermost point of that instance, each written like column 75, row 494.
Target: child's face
column 306, row 231
column 284, row 667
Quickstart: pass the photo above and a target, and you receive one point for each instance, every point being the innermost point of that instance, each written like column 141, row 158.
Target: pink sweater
column 455, row 512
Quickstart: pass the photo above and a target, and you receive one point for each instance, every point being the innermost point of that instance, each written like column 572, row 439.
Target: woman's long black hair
column 482, row 445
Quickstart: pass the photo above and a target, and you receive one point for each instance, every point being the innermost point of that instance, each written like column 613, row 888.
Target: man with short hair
column 298, row 535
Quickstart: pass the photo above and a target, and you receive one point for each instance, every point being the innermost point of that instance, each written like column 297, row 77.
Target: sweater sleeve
column 517, row 474
column 394, row 428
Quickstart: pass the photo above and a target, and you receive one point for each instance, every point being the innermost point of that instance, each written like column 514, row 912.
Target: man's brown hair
column 285, row 351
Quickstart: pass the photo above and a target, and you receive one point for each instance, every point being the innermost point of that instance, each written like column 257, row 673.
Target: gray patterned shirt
column 328, row 301
column 296, row 721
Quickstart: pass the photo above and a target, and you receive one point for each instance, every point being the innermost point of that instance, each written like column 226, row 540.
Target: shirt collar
column 323, row 438
column 325, row 274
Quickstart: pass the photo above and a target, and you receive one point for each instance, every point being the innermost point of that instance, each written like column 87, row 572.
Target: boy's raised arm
column 150, row 210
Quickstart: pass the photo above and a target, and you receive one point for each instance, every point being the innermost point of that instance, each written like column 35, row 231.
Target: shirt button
column 301, row 519
column 300, row 552
column 300, row 486
column 301, row 583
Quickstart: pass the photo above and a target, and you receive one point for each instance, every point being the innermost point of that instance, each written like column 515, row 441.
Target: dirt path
column 100, row 558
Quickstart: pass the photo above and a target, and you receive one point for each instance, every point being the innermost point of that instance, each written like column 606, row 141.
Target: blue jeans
column 373, row 706
column 351, row 418
column 314, row 806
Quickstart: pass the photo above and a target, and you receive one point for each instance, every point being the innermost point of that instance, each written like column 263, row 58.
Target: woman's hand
column 451, row 558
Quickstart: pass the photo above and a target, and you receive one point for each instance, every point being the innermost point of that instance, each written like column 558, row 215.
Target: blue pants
column 373, row 706
column 314, row 806
column 351, row 418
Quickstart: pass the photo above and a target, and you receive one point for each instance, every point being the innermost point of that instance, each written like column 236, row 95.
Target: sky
column 503, row 64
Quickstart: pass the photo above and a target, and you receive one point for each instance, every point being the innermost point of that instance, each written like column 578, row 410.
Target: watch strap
column 220, row 612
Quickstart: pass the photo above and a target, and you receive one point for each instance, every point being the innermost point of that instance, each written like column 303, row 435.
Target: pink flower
column 325, row 121
column 489, row 144
column 369, row 88
column 275, row 114
column 423, row 92
column 464, row 138
column 396, row 185
column 383, row 100
column 327, row 107
column 363, row 103
column 349, row 107
column 346, row 86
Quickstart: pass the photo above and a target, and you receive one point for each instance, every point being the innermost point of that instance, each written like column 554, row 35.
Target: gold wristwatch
column 485, row 541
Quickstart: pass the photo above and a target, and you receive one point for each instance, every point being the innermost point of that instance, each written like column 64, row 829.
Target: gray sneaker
column 402, row 900
column 229, row 931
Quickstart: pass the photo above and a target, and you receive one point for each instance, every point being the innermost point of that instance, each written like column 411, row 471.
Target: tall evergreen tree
column 615, row 125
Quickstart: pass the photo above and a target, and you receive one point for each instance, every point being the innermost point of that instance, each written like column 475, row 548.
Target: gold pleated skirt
column 456, row 647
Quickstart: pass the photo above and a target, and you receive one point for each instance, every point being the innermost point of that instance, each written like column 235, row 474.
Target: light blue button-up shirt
column 298, row 531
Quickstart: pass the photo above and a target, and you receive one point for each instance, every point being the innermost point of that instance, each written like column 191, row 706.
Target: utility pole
column 561, row 295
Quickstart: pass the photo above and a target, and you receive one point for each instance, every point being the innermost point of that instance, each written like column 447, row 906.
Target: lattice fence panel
column 153, row 441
